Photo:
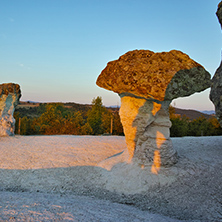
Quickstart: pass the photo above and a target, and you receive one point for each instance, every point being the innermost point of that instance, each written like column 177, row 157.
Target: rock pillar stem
column 146, row 126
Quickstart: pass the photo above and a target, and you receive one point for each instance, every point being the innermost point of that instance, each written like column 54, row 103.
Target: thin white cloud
column 23, row 66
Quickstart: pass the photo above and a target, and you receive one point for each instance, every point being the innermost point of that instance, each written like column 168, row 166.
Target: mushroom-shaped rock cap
column 7, row 88
column 160, row 76
column 10, row 88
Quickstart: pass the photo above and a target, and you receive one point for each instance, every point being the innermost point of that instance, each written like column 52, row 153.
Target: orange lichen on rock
column 144, row 73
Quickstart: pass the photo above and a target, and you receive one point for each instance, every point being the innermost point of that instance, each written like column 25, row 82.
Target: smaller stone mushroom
column 147, row 82
column 10, row 94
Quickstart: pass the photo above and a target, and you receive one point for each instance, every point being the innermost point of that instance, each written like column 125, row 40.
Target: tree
column 59, row 120
column 200, row 127
column 117, row 125
column 217, row 130
column 86, row 129
column 179, row 126
column 51, row 120
column 95, row 115
column 26, row 126
column 107, row 116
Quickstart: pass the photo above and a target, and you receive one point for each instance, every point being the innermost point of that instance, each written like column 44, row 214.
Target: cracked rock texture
column 216, row 86
column 9, row 97
column 147, row 82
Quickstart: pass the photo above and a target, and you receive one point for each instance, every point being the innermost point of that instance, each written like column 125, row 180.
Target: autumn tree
column 107, row 117
column 86, row 129
column 59, row 120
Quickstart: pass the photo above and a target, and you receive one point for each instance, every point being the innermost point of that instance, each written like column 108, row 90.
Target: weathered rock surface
column 219, row 13
column 9, row 97
column 160, row 76
column 216, row 86
column 147, row 82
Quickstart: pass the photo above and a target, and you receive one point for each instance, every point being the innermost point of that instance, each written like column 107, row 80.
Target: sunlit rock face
column 216, row 86
column 149, row 75
column 146, row 126
column 9, row 97
column 147, row 82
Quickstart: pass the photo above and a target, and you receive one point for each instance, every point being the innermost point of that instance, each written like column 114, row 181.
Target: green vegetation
column 95, row 119
column 74, row 119
column 183, row 126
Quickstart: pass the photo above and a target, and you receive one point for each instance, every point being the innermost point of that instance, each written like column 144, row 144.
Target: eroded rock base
column 146, row 126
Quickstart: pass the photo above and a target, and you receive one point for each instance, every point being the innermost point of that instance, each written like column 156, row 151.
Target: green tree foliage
column 26, row 125
column 59, row 120
column 183, row 126
column 95, row 116
column 107, row 117
column 86, row 129
column 204, row 127
column 55, row 118
column 179, row 127
column 101, row 119
column 117, row 125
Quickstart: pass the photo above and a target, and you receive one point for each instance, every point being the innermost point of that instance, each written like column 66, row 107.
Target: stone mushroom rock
column 216, row 86
column 147, row 82
column 9, row 97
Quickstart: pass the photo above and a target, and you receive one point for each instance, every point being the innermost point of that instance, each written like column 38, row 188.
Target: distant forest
column 96, row 119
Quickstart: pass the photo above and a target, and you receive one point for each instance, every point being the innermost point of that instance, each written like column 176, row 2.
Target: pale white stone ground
column 57, row 178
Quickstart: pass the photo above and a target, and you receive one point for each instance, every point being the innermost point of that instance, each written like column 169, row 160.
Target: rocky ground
column 57, row 178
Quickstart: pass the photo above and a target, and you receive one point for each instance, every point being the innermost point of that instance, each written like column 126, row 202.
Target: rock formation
column 219, row 13
column 9, row 97
column 147, row 82
column 216, row 86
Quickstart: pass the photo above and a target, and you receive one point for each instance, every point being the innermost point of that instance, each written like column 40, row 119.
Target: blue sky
column 55, row 49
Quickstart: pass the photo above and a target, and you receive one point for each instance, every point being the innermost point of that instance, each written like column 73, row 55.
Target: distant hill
column 191, row 114
column 77, row 106
column 209, row 112
column 70, row 105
